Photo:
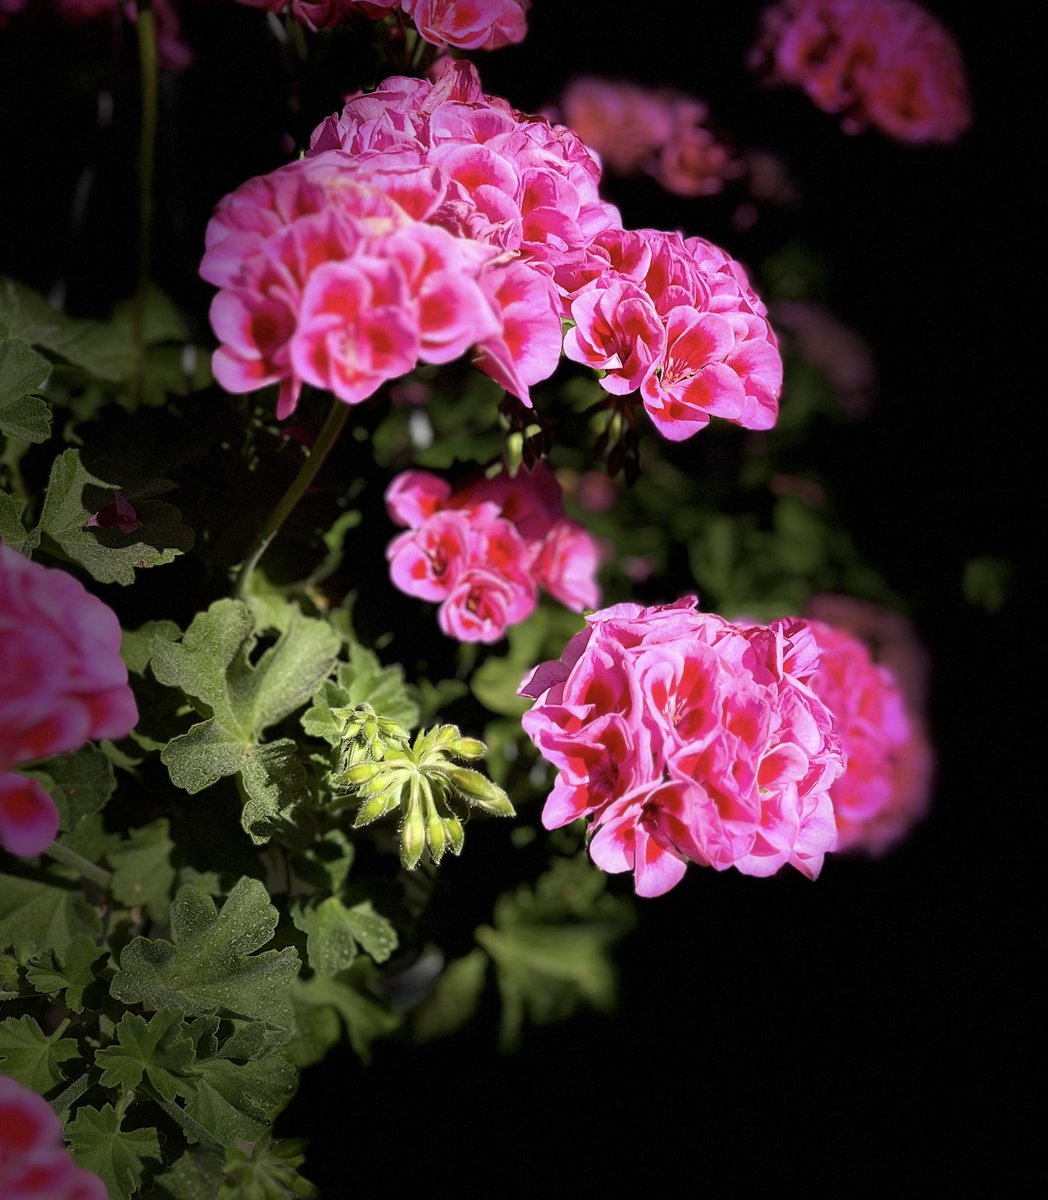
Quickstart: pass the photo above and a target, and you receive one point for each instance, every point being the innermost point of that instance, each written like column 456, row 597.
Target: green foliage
column 74, row 495
column 79, row 783
column 116, row 1155
column 361, row 681
column 551, row 946
column 70, row 973
column 454, row 999
column 238, row 1101
column 43, row 912
column 158, row 1049
column 32, row 1057
column 142, row 870
column 269, row 1171
column 196, row 1175
column 210, row 965
column 364, row 1017
column 12, row 530
column 335, row 933
column 23, row 372
column 214, row 666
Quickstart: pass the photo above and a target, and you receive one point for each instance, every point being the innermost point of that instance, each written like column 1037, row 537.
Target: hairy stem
column 326, row 438
column 89, row 870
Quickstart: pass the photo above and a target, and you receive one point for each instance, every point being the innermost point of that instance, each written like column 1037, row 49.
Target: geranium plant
column 349, row 636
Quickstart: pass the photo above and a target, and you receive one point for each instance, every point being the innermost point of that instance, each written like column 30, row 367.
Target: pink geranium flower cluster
column 661, row 133
column 467, row 24
column 62, row 683
column 676, row 319
column 886, row 63
column 426, row 219
column 885, row 788
column 34, row 1162
column 483, row 551
column 683, row 737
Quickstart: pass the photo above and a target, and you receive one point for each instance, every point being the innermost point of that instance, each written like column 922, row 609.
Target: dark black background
column 873, row 1029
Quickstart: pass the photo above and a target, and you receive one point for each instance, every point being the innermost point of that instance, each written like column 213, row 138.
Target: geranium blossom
column 885, row 788
column 62, row 683
column 684, row 737
column 886, row 63
column 483, row 551
column 34, row 1162
column 427, row 218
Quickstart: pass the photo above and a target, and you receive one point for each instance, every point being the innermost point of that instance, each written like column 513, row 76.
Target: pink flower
column 886, row 63
column 118, row 514
column 683, row 737
column 470, row 24
column 483, row 551
column 62, row 683
column 34, row 1162
column 886, row 786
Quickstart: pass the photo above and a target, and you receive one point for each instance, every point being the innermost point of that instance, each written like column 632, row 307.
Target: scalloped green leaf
column 142, row 871
column 39, row 912
column 117, row 1156
column 238, row 1101
column 159, row 1049
column 34, row 1058
column 210, row 965
column 13, row 532
column 71, row 972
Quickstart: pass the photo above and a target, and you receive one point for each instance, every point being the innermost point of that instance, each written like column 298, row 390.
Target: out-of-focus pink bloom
column 660, row 132
column 62, row 683
column 885, row 788
column 483, row 551
column 684, row 737
column 841, row 354
column 119, row 514
column 886, row 63
column 595, row 492
column 34, row 1162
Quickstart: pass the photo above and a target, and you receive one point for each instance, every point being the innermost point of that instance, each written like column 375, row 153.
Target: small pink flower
column 119, row 514
column 62, row 683
column 34, row 1162
column 478, row 607
column 427, row 561
column 617, row 330
column 566, row 566
column 470, row 24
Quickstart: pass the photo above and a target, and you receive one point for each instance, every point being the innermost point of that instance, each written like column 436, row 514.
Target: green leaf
column 142, row 871
column 12, row 532
column 317, row 1029
column 137, row 645
column 36, row 912
column 239, row 1101
column 70, row 972
column 8, row 977
column 74, row 495
column 80, row 784
column 210, row 965
column 363, row 680
column 117, row 1156
column 197, row 1175
column 23, row 414
column 365, row 1019
column 333, row 933
column 268, row 1172
column 454, row 999
column 276, row 784
column 32, row 1057
column 159, row 1049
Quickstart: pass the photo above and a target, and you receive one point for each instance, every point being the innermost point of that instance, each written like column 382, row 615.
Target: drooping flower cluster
column 62, row 683
column 34, row 1162
column 662, row 133
column 886, row 63
column 469, row 25
column 682, row 736
column 885, row 788
column 482, row 552
column 427, row 218
column 677, row 319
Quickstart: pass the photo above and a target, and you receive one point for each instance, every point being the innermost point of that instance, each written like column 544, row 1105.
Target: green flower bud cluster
column 431, row 791
column 366, row 736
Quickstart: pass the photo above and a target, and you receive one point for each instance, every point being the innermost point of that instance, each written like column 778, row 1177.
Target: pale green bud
column 412, row 837
column 477, row 789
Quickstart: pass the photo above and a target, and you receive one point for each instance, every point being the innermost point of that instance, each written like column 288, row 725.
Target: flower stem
column 147, row 58
column 326, row 438
column 89, row 870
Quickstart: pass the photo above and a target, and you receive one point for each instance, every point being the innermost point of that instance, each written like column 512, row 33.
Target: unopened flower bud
column 456, row 834
column 412, row 837
column 479, row 790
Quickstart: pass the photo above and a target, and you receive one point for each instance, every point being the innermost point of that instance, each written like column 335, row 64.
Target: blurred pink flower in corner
column 62, row 683
column 34, row 1162
column 835, row 349
column 885, row 63
column 877, row 699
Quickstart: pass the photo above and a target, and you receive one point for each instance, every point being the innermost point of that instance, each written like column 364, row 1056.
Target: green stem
column 89, row 870
column 65, row 1099
column 147, row 58
column 326, row 438
column 189, row 1124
